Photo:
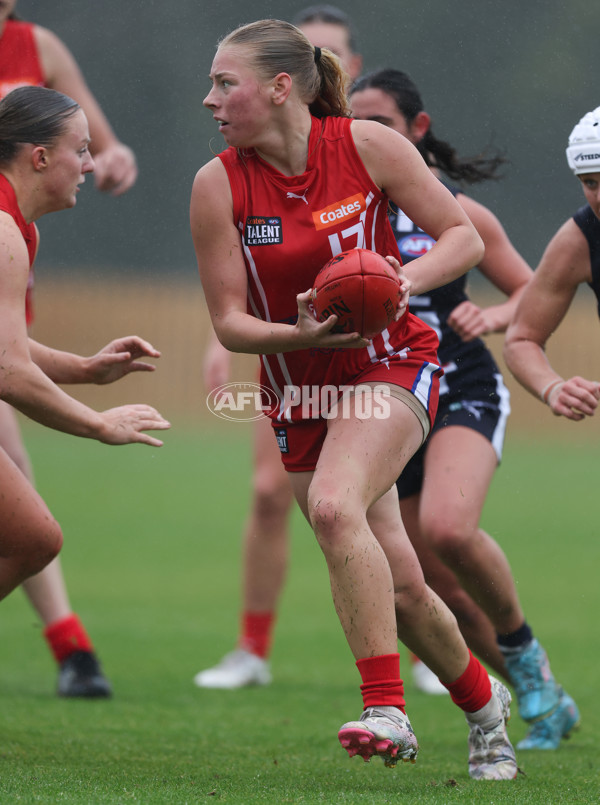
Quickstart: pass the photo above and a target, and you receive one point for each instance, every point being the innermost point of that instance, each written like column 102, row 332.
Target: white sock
column 488, row 715
column 387, row 708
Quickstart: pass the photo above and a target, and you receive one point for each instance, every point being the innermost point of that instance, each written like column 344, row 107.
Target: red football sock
column 256, row 632
column 472, row 690
column 381, row 681
column 66, row 636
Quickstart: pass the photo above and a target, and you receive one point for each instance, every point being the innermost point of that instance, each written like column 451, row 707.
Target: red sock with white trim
column 381, row 683
column 67, row 636
column 472, row 690
column 256, row 633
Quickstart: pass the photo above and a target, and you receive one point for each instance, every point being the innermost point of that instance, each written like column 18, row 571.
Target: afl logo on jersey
column 262, row 230
column 415, row 245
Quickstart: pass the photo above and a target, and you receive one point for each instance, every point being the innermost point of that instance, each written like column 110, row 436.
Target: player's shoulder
column 7, row 219
column 566, row 259
column 370, row 133
column 211, row 192
column 55, row 56
column 380, row 146
column 12, row 242
column 46, row 39
column 569, row 239
column 212, row 173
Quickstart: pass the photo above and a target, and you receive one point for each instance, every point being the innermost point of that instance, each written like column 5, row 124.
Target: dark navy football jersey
column 590, row 226
column 464, row 364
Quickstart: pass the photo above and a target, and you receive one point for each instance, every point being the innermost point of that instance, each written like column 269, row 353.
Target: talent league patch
column 282, row 440
column 262, row 230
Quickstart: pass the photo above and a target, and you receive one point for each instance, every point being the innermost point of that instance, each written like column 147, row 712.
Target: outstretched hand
column 118, row 359
column 124, row 425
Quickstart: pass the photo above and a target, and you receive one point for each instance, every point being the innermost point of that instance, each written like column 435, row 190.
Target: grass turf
column 152, row 562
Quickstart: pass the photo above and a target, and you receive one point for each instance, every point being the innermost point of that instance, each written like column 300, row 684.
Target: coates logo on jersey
column 262, row 230
column 339, row 211
column 415, row 245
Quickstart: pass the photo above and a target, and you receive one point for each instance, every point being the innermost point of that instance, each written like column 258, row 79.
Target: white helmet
column 583, row 153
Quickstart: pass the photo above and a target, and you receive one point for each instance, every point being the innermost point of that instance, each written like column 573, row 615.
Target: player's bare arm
column 543, row 305
column 114, row 361
column 398, row 169
column 502, row 265
column 26, row 387
column 115, row 163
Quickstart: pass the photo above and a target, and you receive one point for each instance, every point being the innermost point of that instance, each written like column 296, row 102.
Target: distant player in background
column 44, row 158
column 32, row 55
column 571, row 258
column 266, row 535
column 443, row 488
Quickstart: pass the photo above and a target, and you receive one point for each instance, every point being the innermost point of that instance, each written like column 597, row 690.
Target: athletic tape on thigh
column 405, row 396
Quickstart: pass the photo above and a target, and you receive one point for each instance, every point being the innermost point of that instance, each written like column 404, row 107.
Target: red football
column 361, row 288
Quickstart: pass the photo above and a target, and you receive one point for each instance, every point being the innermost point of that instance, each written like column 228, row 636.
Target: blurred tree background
column 517, row 75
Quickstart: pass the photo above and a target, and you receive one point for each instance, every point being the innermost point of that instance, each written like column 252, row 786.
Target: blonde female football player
column 280, row 104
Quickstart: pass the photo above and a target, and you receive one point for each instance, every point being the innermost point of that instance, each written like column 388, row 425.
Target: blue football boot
column 535, row 687
column 548, row 732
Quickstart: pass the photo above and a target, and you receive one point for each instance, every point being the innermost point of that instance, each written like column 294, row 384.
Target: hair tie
column 317, row 55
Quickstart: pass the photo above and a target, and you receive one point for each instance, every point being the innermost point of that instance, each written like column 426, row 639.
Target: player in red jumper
column 44, row 158
column 32, row 55
column 322, row 183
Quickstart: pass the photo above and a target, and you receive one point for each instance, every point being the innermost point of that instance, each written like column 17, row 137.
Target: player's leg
column 80, row 673
column 266, row 537
column 474, row 624
column 371, row 577
column 79, row 669
column 30, row 537
column 459, row 466
column 265, row 560
column 384, row 728
column 491, row 755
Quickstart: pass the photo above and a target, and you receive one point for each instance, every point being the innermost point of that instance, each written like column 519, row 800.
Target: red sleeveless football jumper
column 20, row 66
column 8, row 204
column 290, row 227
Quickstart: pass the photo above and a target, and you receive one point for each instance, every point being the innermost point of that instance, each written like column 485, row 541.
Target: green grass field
column 152, row 561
